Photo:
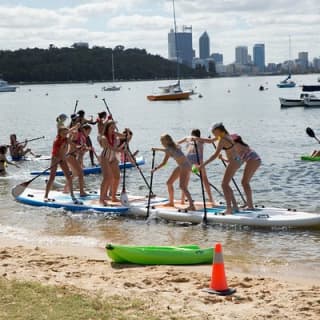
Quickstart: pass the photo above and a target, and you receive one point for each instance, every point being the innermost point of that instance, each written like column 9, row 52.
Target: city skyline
column 141, row 24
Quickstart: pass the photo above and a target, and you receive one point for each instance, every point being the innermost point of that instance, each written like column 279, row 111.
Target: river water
column 278, row 135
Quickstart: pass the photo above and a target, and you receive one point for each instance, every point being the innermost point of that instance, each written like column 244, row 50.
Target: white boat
column 312, row 102
column 112, row 87
column 172, row 92
column 5, row 87
column 289, row 103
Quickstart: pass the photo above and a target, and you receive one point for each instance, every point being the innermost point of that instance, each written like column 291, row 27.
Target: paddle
column 311, row 134
column 151, row 180
column 105, row 103
column 211, row 185
column 18, row 189
column 75, row 107
column 204, row 220
column 29, row 140
column 233, row 180
column 123, row 196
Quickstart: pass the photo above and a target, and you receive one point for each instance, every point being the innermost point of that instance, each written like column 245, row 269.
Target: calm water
column 277, row 135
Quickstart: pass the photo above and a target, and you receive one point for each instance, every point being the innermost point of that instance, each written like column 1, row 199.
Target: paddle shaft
column 233, row 180
column 212, row 186
column 124, row 167
column 75, row 107
column 105, row 103
column 151, row 180
column 204, row 220
column 29, row 140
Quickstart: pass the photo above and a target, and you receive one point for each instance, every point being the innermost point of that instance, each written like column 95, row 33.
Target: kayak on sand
column 159, row 255
column 94, row 170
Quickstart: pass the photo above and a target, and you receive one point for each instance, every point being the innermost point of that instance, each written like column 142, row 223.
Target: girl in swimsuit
column 109, row 141
column 4, row 160
column 252, row 163
column 17, row 149
column 59, row 151
column 193, row 159
column 225, row 143
column 181, row 172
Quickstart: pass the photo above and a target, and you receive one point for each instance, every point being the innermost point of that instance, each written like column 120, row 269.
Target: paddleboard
column 259, row 217
column 30, row 158
column 58, row 199
column 310, row 158
column 94, row 170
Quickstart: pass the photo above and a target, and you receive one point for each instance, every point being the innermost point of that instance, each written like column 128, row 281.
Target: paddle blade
column 19, row 189
column 310, row 132
column 124, row 199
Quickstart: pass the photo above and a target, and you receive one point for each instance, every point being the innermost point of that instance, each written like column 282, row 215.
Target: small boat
column 5, row 87
column 159, row 255
column 170, row 92
column 310, row 158
column 94, row 170
column 288, row 103
column 286, row 83
column 112, row 87
column 312, row 102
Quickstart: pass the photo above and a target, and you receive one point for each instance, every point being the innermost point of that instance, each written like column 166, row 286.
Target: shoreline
column 161, row 288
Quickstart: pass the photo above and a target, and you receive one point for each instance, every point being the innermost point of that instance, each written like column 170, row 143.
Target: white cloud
column 145, row 23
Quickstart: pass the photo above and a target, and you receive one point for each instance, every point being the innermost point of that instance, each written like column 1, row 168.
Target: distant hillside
column 83, row 64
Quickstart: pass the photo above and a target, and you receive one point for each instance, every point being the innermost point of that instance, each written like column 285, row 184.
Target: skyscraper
column 304, row 59
column 204, row 46
column 184, row 46
column 259, row 56
column 242, row 55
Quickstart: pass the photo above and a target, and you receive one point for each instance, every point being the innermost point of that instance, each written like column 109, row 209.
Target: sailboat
column 173, row 91
column 112, row 87
column 287, row 82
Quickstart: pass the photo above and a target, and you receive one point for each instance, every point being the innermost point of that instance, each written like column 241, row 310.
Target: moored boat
column 5, row 87
column 287, row 102
column 160, row 255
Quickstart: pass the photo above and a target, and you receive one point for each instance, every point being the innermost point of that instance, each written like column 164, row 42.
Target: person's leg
column 184, row 180
column 227, row 190
column 207, row 187
column 173, row 177
column 66, row 171
column 52, row 176
column 106, row 181
column 249, row 170
column 114, row 165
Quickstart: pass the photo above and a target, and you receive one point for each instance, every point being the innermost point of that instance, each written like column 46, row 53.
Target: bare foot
column 115, row 200
column 103, row 202
column 169, row 204
column 191, row 208
column 228, row 211
column 84, row 194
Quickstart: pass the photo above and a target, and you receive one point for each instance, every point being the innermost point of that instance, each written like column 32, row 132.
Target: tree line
column 89, row 64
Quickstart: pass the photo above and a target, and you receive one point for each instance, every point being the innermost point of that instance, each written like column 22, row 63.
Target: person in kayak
column 252, row 163
column 193, row 159
column 4, row 161
column 181, row 172
column 234, row 162
column 58, row 157
column 18, row 149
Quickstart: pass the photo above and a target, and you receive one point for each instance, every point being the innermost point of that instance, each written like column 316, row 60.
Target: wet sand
column 162, row 288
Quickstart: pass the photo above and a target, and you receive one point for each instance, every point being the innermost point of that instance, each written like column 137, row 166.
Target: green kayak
column 165, row 255
column 310, row 158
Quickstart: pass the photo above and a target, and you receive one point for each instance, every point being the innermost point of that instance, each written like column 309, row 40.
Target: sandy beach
column 162, row 288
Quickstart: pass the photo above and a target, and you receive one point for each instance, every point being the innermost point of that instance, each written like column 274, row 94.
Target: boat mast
column 176, row 43
column 289, row 71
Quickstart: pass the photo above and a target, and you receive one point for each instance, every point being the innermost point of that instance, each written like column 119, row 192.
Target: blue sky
column 145, row 24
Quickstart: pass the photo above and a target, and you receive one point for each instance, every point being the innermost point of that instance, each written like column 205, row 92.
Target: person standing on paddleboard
column 4, row 161
column 58, row 157
column 181, row 172
column 193, row 159
column 234, row 162
column 252, row 163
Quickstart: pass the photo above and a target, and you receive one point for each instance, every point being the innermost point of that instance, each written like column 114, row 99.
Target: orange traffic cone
column 218, row 284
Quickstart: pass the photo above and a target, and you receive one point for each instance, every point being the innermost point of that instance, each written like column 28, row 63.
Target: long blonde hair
column 167, row 141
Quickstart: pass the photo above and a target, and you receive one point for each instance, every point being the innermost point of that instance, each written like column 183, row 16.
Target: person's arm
column 163, row 162
column 11, row 163
column 213, row 156
column 183, row 140
column 159, row 149
column 205, row 140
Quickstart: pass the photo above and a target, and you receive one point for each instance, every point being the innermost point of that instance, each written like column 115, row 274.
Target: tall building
column 184, row 50
column 303, row 59
column 259, row 59
column 217, row 57
column 242, row 55
column 204, row 46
